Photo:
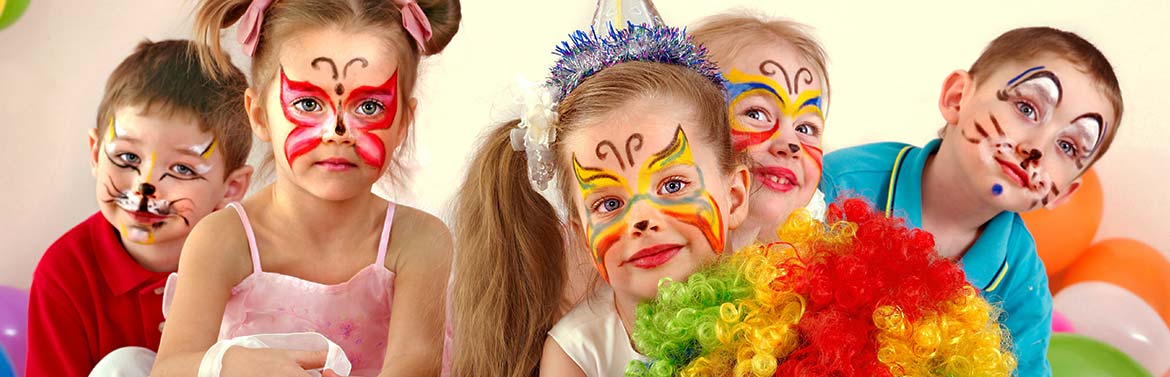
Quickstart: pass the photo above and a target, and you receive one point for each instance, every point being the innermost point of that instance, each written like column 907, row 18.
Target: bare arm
column 555, row 362
column 420, row 254
column 212, row 263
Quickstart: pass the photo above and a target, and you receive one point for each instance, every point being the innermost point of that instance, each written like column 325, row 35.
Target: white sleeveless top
column 593, row 336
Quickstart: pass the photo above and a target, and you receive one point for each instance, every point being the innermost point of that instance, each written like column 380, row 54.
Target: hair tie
column 249, row 28
column 415, row 22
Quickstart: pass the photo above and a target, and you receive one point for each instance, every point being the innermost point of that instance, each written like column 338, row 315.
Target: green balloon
column 1074, row 355
column 13, row 9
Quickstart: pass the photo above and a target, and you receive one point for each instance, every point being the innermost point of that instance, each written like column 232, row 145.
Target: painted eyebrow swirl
column 1029, row 75
column 630, row 149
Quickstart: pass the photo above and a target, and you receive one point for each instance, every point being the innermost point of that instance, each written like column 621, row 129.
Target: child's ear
column 950, row 100
column 236, row 185
column 256, row 115
column 1066, row 195
column 94, row 145
column 738, row 195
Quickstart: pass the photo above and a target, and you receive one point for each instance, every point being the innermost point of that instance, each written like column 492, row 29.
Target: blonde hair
column 284, row 19
column 511, row 260
column 725, row 35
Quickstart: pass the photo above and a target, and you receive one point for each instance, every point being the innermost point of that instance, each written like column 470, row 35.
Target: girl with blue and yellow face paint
column 778, row 96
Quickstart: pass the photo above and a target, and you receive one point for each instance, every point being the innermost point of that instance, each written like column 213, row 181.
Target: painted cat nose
column 642, row 225
column 146, row 189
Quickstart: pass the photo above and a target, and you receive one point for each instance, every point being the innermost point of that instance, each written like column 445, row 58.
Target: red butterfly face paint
column 317, row 118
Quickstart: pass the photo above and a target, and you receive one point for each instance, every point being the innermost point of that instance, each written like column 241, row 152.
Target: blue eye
column 1067, row 148
column 757, row 114
column 672, row 186
column 130, row 158
column 1027, row 110
column 607, row 205
column 183, row 170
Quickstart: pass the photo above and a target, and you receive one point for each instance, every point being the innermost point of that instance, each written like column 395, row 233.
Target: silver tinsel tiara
column 586, row 53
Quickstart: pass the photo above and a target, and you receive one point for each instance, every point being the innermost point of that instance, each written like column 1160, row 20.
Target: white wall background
column 888, row 62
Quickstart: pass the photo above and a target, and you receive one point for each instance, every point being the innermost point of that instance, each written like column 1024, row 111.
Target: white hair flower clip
column 536, row 132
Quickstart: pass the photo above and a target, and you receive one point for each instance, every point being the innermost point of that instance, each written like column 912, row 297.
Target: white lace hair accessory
column 534, row 135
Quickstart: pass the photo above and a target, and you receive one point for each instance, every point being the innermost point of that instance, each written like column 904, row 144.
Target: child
column 168, row 148
column 640, row 151
column 779, row 96
column 1036, row 109
column 316, row 250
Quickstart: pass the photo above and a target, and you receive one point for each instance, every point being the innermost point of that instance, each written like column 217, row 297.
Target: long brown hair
column 511, row 248
column 283, row 19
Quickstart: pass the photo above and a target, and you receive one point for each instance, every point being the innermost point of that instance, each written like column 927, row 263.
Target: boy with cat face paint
column 169, row 147
column 1037, row 108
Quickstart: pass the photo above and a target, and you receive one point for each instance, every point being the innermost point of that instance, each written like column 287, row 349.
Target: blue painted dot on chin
column 997, row 189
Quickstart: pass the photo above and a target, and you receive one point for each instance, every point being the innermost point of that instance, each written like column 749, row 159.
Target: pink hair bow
column 415, row 22
column 248, row 32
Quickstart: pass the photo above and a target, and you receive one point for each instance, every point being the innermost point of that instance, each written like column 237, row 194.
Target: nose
column 644, row 219
column 1031, row 156
column 339, row 134
column 146, row 189
column 785, row 145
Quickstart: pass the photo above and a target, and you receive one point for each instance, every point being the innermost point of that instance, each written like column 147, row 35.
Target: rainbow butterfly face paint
column 669, row 192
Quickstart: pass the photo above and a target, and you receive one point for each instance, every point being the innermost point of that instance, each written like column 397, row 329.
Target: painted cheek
column 603, row 239
column 308, row 129
column 816, row 155
column 369, row 146
column 742, row 139
column 703, row 213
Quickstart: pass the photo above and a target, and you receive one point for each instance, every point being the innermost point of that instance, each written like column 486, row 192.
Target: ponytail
column 510, row 265
column 210, row 19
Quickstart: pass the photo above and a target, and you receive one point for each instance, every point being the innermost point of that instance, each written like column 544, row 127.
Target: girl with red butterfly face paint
column 331, row 90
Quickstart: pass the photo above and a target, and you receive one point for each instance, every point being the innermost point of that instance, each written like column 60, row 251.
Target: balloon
column 13, row 324
column 1061, row 324
column 10, row 10
column 6, row 369
column 1074, row 355
column 1064, row 232
column 1111, row 314
column 1130, row 264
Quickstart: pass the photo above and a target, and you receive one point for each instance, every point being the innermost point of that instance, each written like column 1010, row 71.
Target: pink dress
column 354, row 314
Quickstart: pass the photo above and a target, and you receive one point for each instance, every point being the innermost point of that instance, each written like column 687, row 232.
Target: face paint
column 696, row 207
column 743, row 86
column 1034, row 96
column 315, row 115
column 141, row 199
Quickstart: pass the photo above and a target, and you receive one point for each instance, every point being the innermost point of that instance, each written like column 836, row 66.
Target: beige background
column 888, row 63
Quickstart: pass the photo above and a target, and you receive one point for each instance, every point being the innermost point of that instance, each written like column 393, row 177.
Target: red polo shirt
column 88, row 298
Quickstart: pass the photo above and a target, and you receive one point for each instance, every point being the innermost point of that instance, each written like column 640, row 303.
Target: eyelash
column 767, row 117
column 816, row 131
column 297, row 102
column 662, row 186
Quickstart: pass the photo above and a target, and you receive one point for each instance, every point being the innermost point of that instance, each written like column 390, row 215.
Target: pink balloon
column 1061, row 324
column 13, row 324
column 1118, row 317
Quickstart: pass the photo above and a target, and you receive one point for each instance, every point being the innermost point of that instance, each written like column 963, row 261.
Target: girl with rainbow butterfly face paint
column 778, row 99
column 643, row 166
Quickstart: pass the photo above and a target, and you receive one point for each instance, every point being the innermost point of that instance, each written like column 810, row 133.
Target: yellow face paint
column 743, row 86
column 696, row 207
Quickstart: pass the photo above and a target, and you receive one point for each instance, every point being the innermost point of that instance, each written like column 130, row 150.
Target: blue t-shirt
column 1002, row 263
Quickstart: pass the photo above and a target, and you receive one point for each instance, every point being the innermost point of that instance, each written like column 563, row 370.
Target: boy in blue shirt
column 1036, row 109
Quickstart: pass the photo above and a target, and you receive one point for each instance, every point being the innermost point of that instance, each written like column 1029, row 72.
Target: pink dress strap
column 385, row 234
column 251, row 235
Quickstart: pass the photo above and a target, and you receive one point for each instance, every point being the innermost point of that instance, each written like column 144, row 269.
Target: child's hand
column 241, row 361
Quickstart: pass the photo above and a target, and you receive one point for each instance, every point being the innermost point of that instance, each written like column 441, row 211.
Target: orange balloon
column 1129, row 264
column 1064, row 232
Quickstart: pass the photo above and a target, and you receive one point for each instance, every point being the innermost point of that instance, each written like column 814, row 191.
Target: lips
column 1015, row 172
column 652, row 256
column 775, row 178
column 146, row 217
column 335, row 164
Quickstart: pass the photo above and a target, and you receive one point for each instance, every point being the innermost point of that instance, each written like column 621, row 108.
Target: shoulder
column 875, row 157
column 592, row 312
column 218, row 242
column 73, row 252
column 416, row 235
